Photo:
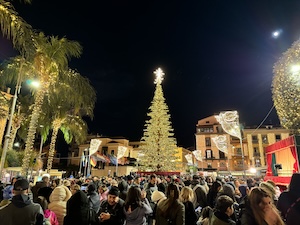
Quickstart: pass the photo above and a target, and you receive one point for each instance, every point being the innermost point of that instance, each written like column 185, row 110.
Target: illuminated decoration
column 51, row 56
column 198, row 155
column 286, row 88
column 121, row 151
column 94, row 145
column 229, row 121
column 120, row 154
column 189, row 159
column 221, row 143
column 159, row 76
column 158, row 145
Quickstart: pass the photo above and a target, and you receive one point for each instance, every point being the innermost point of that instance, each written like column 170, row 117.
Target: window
column 254, row 139
column 112, row 152
column 207, row 141
column 222, row 155
column 205, row 130
column 238, row 151
column 240, row 164
column 208, row 154
column 264, row 139
column 256, row 152
column 278, row 137
column 257, row 163
column 104, row 150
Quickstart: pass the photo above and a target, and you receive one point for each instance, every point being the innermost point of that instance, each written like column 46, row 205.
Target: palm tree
column 3, row 107
column 73, row 97
column 51, row 57
column 19, row 117
column 16, row 29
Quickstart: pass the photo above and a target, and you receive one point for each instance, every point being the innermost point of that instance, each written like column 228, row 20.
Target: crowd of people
column 149, row 200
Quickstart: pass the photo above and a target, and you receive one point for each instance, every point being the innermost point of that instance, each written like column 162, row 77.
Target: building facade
column 242, row 154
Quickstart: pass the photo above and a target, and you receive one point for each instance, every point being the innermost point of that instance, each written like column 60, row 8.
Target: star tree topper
column 159, row 76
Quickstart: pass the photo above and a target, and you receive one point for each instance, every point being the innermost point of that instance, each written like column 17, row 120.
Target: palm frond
column 16, row 29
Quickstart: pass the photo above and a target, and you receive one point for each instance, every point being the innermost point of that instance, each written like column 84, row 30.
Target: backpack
column 92, row 215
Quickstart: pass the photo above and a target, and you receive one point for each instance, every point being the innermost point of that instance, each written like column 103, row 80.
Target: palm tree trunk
column 17, row 121
column 13, row 134
column 32, row 129
column 56, row 125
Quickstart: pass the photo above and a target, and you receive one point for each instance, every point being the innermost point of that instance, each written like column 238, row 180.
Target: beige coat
column 58, row 202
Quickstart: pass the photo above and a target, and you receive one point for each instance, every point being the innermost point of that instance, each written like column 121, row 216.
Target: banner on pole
column 94, row 145
column 189, row 158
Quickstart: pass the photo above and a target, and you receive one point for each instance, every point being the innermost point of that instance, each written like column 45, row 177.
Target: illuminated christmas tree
column 158, row 145
column 286, row 88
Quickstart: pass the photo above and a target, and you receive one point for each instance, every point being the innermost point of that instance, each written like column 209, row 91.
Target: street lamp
column 9, row 125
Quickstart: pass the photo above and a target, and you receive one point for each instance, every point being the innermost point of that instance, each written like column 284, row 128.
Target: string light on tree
column 158, row 145
column 286, row 88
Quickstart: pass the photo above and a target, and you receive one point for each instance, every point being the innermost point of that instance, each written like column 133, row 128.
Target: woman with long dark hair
column 170, row 210
column 136, row 207
column 260, row 209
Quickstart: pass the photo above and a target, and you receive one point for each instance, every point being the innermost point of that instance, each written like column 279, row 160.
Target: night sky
column 217, row 55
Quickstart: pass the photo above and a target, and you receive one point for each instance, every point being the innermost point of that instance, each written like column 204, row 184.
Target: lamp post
column 229, row 121
column 8, row 129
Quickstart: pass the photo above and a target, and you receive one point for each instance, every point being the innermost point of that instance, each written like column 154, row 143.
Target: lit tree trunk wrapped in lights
column 286, row 88
column 32, row 129
column 17, row 121
column 158, row 145
column 56, row 124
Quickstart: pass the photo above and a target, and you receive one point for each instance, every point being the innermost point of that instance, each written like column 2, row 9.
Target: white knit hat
column 157, row 195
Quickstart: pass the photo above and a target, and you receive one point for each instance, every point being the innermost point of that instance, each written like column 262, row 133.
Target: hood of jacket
column 134, row 214
column 60, row 193
column 21, row 201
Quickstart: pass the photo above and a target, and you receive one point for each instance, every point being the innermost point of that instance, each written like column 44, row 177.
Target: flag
column 93, row 161
column 100, row 157
column 113, row 159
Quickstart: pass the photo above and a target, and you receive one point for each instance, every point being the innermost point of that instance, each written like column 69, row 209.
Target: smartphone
column 83, row 188
column 198, row 209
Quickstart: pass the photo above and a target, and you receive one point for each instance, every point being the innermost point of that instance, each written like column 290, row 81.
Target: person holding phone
column 111, row 210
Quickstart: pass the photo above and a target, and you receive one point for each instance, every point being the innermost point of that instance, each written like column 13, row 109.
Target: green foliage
column 14, row 158
column 286, row 88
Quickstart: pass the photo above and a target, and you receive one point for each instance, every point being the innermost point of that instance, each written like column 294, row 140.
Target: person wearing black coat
column 289, row 202
column 77, row 210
